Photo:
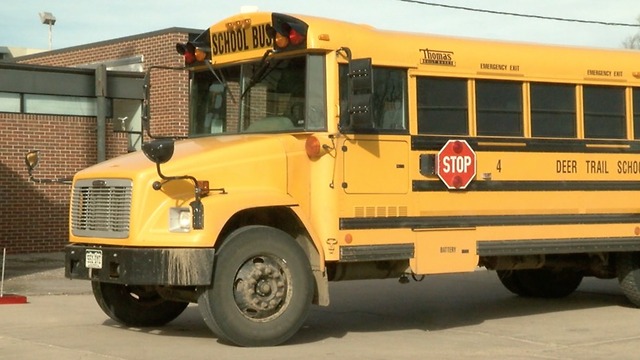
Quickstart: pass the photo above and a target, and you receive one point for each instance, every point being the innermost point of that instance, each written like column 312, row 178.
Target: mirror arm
column 157, row 185
column 347, row 52
column 63, row 180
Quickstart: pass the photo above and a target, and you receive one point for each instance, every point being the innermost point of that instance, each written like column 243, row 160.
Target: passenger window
column 636, row 112
column 389, row 101
column 604, row 112
column 442, row 106
column 499, row 108
column 553, row 110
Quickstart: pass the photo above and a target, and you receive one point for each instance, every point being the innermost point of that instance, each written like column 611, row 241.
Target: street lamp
column 48, row 19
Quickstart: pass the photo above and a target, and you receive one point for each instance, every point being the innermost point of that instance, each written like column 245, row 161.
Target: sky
column 80, row 22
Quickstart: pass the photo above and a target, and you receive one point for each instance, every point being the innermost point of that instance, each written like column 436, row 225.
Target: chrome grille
column 101, row 208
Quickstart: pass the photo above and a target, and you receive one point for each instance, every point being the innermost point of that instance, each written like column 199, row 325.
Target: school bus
column 322, row 151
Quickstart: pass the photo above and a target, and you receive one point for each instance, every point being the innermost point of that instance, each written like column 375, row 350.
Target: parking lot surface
column 442, row 317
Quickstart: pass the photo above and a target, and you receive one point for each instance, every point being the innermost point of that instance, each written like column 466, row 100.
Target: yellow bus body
column 370, row 198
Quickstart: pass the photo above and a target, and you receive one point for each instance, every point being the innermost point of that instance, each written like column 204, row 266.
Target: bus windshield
column 259, row 97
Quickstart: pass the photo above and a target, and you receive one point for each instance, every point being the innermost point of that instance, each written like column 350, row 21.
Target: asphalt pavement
column 443, row 317
column 39, row 274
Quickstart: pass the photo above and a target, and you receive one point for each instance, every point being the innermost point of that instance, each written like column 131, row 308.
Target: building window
column 499, row 108
column 9, row 102
column 636, row 112
column 62, row 105
column 604, row 112
column 442, row 106
column 553, row 110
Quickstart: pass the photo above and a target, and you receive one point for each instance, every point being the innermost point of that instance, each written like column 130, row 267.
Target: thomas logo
column 437, row 57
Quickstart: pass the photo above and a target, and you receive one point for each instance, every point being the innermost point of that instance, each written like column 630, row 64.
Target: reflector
column 312, row 147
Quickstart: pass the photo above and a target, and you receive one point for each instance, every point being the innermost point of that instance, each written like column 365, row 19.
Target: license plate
column 93, row 259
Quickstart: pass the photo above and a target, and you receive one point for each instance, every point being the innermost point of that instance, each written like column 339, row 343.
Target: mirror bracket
column 32, row 159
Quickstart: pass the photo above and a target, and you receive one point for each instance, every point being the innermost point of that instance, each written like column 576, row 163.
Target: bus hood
column 229, row 162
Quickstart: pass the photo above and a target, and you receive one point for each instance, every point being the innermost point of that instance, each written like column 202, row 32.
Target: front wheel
column 135, row 305
column 262, row 288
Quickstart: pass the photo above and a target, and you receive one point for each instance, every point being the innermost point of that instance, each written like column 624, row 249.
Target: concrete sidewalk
column 39, row 274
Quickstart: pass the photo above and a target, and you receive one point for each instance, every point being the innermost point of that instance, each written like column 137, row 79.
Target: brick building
column 34, row 217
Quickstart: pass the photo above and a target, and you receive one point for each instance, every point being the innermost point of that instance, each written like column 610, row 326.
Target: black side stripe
column 557, row 246
column 479, row 185
column 435, row 143
column 467, row 221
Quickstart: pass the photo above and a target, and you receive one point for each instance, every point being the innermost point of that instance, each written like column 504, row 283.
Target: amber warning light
column 191, row 53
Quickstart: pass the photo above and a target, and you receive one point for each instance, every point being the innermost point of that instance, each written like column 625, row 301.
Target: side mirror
column 32, row 159
column 360, row 93
column 159, row 150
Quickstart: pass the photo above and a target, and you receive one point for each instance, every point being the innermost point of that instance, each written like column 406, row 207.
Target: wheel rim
column 261, row 288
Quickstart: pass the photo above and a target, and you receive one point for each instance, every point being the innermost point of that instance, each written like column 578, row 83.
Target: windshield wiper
column 259, row 74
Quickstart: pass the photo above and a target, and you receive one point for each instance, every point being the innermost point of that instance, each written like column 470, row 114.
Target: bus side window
column 390, row 98
column 636, row 113
column 604, row 112
column 442, row 106
column 553, row 110
column 499, row 108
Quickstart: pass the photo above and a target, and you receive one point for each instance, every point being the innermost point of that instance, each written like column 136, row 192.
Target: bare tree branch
column 633, row 42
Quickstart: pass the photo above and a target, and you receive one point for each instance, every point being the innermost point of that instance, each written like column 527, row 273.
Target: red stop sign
column 456, row 164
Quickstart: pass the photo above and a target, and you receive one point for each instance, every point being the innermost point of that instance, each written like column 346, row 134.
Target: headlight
column 179, row 219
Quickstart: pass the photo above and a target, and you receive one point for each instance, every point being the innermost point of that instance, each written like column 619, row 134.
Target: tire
column 628, row 269
column 135, row 305
column 509, row 279
column 262, row 288
column 543, row 283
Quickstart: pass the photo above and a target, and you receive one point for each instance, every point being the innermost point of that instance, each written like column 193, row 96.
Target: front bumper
column 140, row 266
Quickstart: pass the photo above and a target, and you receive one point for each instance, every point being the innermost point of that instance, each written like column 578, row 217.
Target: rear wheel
column 628, row 269
column 135, row 305
column 550, row 283
column 542, row 283
column 262, row 288
column 510, row 280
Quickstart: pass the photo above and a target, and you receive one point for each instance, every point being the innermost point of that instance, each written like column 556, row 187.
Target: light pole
column 48, row 19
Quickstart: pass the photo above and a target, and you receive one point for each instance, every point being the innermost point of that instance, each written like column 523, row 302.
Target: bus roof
column 452, row 56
